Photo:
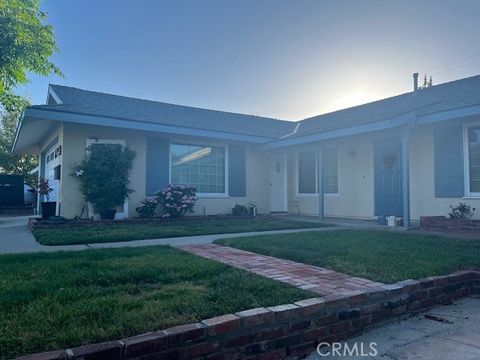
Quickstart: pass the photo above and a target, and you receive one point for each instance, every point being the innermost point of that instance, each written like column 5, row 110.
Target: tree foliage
column 104, row 175
column 11, row 163
column 26, row 45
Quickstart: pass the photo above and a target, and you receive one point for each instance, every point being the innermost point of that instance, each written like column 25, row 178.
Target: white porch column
column 321, row 198
column 406, row 175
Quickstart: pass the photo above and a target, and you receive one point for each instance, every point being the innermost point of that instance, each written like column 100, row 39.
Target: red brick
column 146, row 343
column 335, row 300
column 325, row 320
column 301, row 350
column 315, row 334
column 239, row 340
column 172, row 354
column 274, row 355
column 288, row 341
column 258, row 348
column 357, row 297
column 51, row 355
column 228, row 355
column 185, row 333
column 102, row 351
column 270, row 333
column 286, row 311
column 256, row 316
column 362, row 321
column 222, row 324
column 339, row 327
column 299, row 325
column 311, row 306
column 201, row 349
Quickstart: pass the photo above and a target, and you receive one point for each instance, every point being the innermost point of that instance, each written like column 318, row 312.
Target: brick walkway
column 313, row 278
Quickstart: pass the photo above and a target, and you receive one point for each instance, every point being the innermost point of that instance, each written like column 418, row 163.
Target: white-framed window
column 307, row 172
column 204, row 166
column 472, row 160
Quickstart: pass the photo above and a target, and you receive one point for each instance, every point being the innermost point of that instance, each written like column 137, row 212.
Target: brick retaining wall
column 284, row 331
column 442, row 223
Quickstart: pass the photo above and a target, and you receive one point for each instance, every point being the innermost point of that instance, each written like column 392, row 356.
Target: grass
column 137, row 231
column 381, row 256
column 55, row 301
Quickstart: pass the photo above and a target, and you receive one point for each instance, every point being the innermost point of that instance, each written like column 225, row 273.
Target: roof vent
column 415, row 81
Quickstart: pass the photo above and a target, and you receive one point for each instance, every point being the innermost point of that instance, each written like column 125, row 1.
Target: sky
column 283, row 59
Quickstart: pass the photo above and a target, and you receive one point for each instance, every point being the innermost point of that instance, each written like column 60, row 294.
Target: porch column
column 406, row 175
column 321, row 198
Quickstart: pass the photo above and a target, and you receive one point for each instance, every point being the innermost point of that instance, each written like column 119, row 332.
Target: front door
column 388, row 177
column 278, row 182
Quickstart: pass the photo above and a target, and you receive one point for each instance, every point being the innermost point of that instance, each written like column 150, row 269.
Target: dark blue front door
column 388, row 177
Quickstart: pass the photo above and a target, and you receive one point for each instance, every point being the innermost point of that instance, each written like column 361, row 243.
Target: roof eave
column 56, row 115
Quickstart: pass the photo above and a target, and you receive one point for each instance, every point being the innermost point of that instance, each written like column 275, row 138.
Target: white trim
column 54, row 96
column 315, row 194
column 200, row 143
column 91, row 212
column 466, row 161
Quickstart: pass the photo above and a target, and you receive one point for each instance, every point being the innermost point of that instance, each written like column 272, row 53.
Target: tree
column 427, row 82
column 10, row 163
column 26, row 45
column 104, row 175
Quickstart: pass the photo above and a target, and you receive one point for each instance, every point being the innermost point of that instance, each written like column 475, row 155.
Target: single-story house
column 410, row 155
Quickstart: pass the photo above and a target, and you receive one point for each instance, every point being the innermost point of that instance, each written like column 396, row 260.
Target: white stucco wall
column 355, row 182
column 257, row 189
column 74, row 147
column 75, row 136
column 422, row 179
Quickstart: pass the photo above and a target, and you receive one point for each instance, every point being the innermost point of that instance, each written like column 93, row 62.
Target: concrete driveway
column 445, row 332
column 15, row 237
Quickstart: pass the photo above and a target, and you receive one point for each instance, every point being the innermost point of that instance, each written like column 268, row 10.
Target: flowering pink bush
column 177, row 200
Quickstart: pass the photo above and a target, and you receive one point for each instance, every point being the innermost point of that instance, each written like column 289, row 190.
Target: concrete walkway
column 421, row 338
column 16, row 238
column 319, row 280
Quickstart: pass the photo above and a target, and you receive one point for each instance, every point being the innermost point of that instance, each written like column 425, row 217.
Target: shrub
column 43, row 188
column 104, row 175
column 462, row 211
column 240, row 210
column 177, row 200
column 148, row 208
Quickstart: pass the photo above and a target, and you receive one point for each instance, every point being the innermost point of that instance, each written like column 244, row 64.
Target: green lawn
column 382, row 256
column 137, row 231
column 59, row 300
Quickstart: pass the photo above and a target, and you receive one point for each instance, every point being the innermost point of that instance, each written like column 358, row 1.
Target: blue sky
column 284, row 59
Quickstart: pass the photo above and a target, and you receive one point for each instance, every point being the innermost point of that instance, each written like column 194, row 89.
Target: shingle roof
column 120, row 107
column 446, row 96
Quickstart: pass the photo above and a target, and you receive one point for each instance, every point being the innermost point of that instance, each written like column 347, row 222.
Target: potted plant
column 104, row 177
column 48, row 207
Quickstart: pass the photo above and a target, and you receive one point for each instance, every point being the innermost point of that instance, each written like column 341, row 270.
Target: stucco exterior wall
column 75, row 137
column 422, row 179
column 355, row 182
column 74, row 147
column 257, row 189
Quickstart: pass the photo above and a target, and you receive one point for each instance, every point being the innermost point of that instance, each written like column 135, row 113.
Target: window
column 330, row 171
column 473, row 134
column 307, row 172
column 202, row 166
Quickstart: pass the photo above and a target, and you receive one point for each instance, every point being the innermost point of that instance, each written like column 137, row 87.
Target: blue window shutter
column 448, row 160
column 158, row 164
column 236, row 171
